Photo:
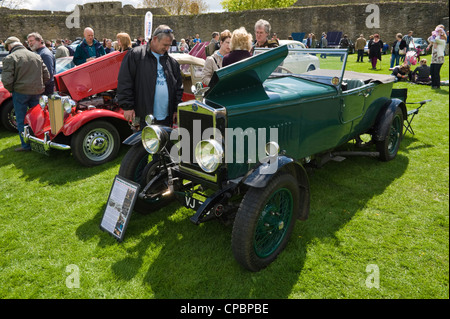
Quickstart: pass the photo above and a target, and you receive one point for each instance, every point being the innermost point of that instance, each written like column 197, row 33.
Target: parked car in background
column 333, row 38
column 240, row 151
column 297, row 61
column 292, row 44
column 384, row 51
column 351, row 47
column 64, row 64
column 7, row 116
column 419, row 43
column 83, row 115
column 75, row 43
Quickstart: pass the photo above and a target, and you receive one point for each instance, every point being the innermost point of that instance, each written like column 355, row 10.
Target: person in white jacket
column 438, row 41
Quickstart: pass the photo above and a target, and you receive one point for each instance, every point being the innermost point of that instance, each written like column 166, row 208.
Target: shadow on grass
column 177, row 259
column 409, row 139
column 35, row 166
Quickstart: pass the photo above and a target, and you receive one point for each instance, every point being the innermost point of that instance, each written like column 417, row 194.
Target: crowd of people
column 232, row 47
column 400, row 65
column 27, row 74
column 29, row 68
column 156, row 87
column 424, row 73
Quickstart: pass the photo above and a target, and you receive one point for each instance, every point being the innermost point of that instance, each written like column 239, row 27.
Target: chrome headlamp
column 67, row 104
column 43, row 100
column 209, row 155
column 272, row 149
column 154, row 138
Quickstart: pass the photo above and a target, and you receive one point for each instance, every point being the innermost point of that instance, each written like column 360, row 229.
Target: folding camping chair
column 411, row 115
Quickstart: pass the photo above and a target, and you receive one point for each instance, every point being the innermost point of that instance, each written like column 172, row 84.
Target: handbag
column 402, row 51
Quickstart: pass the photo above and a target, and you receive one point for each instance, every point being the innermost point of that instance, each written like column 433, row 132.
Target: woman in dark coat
column 375, row 48
column 399, row 44
column 241, row 44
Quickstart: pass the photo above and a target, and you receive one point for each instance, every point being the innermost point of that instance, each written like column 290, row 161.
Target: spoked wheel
column 8, row 116
column 96, row 143
column 388, row 148
column 264, row 222
column 141, row 167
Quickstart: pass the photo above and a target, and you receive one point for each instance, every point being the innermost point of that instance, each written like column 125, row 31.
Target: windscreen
column 320, row 65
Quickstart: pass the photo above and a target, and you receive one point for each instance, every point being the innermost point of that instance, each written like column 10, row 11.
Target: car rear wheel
column 388, row 148
column 8, row 116
column 141, row 167
column 264, row 222
column 96, row 143
column 311, row 68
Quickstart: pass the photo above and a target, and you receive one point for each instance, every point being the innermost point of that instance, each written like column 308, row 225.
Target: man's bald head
column 89, row 35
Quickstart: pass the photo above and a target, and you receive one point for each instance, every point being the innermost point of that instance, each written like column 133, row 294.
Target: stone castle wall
column 109, row 18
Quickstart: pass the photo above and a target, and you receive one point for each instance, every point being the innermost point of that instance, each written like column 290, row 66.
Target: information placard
column 121, row 200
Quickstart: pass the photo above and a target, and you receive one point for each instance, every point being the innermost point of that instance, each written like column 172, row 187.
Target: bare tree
column 13, row 4
column 177, row 7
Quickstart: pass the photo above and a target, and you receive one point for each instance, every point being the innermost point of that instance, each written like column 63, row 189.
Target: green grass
column 363, row 212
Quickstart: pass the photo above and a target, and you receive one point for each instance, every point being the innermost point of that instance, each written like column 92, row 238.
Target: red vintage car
column 7, row 109
column 7, row 114
column 83, row 115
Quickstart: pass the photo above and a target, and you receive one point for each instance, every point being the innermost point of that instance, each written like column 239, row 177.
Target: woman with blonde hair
column 241, row 44
column 124, row 41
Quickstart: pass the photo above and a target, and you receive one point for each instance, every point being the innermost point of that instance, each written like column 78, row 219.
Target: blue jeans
column 21, row 104
column 395, row 57
column 360, row 55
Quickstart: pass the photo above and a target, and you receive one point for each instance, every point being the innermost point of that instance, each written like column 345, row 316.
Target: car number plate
column 191, row 202
column 39, row 148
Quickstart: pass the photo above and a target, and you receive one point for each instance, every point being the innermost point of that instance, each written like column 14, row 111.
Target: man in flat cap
column 24, row 75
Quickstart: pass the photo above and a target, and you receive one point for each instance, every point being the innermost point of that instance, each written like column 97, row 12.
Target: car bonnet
column 246, row 76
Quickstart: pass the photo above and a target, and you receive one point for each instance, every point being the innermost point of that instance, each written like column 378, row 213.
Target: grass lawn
column 367, row 218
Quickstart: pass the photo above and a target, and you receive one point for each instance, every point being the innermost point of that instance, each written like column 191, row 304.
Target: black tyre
column 311, row 68
column 8, row 116
column 95, row 143
column 388, row 148
column 264, row 222
column 141, row 167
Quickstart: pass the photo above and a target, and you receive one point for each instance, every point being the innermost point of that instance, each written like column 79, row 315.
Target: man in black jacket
column 150, row 81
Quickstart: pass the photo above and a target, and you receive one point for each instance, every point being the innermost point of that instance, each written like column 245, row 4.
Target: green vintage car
column 240, row 151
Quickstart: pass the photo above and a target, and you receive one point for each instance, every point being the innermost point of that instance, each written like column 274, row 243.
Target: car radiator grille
column 56, row 114
column 195, row 123
column 195, row 117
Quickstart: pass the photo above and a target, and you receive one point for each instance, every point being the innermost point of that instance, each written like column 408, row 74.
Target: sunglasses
column 163, row 31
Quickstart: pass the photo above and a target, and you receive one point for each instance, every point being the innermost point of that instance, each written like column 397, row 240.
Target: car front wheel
column 96, row 143
column 264, row 222
column 141, row 167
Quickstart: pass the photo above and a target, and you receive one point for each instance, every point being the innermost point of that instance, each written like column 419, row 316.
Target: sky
column 68, row 5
